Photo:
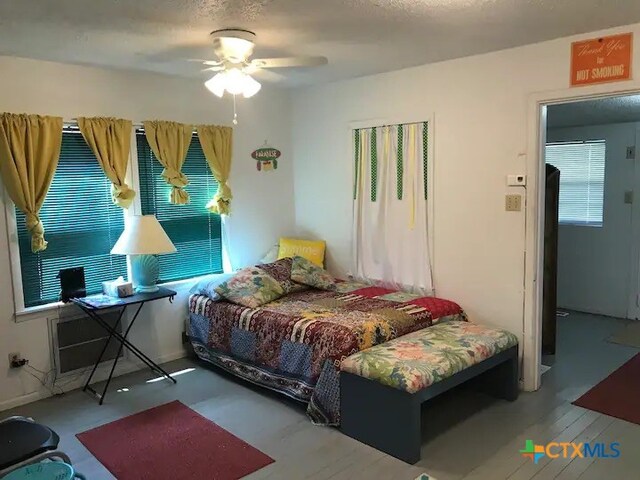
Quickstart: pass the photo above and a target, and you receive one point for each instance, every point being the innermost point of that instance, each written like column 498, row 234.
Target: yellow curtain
column 29, row 153
column 170, row 142
column 110, row 141
column 216, row 143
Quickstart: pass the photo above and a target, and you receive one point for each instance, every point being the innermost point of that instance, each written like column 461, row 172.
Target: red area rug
column 618, row 395
column 171, row 442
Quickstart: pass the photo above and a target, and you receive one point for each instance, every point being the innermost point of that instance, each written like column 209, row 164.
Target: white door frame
column 535, row 200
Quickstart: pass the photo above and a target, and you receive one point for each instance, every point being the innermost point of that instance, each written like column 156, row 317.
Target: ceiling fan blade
column 178, row 53
column 210, row 63
column 267, row 76
column 289, row 62
column 218, row 68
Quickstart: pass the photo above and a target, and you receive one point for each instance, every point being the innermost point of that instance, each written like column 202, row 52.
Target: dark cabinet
column 550, row 278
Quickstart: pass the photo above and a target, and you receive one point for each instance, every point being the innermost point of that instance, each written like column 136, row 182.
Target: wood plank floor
column 466, row 435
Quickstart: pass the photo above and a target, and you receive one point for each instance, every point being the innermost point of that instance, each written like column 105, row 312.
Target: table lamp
column 144, row 238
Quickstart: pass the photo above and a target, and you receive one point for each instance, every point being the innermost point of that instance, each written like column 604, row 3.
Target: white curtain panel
column 390, row 243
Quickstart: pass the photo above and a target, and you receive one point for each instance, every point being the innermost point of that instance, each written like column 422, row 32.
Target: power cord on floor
column 52, row 383
column 44, row 380
column 74, row 378
column 49, row 379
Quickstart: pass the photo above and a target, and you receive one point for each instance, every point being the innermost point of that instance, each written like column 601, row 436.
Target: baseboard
column 126, row 365
column 594, row 311
column 24, row 399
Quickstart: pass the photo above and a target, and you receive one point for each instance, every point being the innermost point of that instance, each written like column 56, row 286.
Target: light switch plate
column 513, row 203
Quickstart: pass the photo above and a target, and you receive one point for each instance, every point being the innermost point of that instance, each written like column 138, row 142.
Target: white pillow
column 207, row 285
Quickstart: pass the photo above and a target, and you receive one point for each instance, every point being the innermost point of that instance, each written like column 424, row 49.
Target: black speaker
column 72, row 283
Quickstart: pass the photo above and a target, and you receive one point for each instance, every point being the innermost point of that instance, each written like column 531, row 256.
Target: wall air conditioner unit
column 77, row 341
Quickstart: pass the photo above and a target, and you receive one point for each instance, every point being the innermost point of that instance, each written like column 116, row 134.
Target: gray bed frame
column 390, row 419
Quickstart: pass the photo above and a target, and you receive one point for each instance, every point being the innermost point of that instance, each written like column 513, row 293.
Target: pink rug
column 171, row 442
column 618, row 395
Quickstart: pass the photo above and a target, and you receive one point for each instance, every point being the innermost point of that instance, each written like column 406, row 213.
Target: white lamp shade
column 251, row 87
column 216, row 84
column 234, row 81
column 143, row 235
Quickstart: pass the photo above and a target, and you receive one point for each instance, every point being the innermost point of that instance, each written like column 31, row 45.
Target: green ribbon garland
column 374, row 165
column 356, row 163
column 399, row 162
column 425, row 157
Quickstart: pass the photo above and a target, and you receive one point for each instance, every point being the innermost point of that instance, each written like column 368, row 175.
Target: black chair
column 23, row 442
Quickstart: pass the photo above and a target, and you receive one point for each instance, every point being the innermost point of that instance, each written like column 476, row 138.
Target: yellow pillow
column 311, row 250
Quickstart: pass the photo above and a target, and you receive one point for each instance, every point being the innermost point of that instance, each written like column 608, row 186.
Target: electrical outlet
column 519, row 180
column 631, row 153
column 513, row 203
column 16, row 360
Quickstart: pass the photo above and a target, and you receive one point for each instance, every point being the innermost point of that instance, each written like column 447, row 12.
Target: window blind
column 196, row 233
column 581, row 166
column 81, row 225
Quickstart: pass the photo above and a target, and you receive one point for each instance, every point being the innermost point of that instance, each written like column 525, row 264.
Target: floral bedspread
column 295, row 344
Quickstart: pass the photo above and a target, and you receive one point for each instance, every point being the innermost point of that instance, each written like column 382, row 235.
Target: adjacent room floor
column 466, row 435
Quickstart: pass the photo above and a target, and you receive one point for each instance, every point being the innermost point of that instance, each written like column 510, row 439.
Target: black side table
column 138, row 299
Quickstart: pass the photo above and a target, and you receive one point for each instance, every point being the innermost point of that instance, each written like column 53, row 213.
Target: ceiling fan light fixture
column 236, row 80
column 251, row 86
column 217, row 84
column 233, row 81
column 235, row 45
column 238, row 48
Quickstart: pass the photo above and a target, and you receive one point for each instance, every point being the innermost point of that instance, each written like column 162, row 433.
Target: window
column 195, row 232
column 81, row 225
column 581, row 166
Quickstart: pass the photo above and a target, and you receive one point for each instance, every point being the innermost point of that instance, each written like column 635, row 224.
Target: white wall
column 483, row 116
column 262, row 206
column 594, row 273
column 483, row 124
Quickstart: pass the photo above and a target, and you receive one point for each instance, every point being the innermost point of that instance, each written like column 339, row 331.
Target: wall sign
column 266, row 158
column 601, row 60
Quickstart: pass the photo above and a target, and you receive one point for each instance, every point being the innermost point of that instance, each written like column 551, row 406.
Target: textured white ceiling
column 595, row 112
column 358, row 36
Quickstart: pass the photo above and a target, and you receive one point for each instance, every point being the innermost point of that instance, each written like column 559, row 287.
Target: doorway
column 591, row 247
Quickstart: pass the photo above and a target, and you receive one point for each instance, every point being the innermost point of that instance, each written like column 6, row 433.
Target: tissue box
column 125, row 289
column 117, row 288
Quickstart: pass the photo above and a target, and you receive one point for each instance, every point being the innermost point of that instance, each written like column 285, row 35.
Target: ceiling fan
column 234, row 47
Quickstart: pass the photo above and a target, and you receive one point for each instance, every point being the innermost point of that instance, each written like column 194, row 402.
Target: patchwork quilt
column 295, row 344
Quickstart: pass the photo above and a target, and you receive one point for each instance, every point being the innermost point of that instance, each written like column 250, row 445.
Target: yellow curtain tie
column 221, row 203
column 179, row 196
column 175, row 178
column 178, row 181
column 122, row 195
column 35, row 227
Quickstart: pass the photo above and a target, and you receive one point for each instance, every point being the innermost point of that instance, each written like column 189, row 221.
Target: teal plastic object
column 44, row 471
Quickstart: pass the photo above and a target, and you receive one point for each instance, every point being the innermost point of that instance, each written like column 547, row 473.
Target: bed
column 294, row 345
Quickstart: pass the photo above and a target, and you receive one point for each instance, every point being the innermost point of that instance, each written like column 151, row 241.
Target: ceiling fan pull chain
column 235, row 114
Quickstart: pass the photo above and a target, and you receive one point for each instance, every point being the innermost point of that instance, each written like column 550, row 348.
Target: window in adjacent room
column 195, row 232
column 581, row 166
column 81, row 225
